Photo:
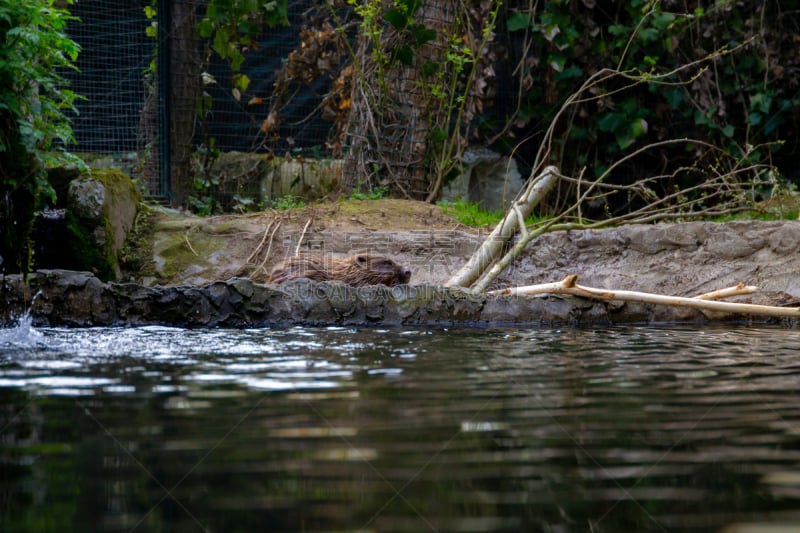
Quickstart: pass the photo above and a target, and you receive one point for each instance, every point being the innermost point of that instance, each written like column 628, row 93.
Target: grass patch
column 779, row 204
column 287, row 202
column 470, row 213
column 375, row 193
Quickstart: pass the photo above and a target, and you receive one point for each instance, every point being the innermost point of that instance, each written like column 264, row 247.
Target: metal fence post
column 164, row 19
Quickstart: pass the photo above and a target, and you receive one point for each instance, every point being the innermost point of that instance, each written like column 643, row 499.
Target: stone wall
column 78, row 299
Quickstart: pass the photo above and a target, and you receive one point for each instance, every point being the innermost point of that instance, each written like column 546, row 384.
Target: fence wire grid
column 121, row 112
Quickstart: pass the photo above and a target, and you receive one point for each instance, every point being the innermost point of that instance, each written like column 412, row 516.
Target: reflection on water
column 621, row 429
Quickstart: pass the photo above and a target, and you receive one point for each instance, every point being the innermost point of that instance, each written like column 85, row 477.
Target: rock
column 101, row 209
column 488, row 178
column 268, row 178
column 70, row 298
column 86, row 197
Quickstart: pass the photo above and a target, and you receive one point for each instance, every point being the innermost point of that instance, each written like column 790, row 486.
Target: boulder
column 488, row 178
column 101, row 209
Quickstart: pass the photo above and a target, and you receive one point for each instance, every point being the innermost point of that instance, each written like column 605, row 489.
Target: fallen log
column 704, row 302
column 514, row 220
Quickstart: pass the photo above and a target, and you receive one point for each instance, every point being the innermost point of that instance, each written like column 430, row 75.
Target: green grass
column 780, row 204
column 375, row 193
column 284, row 203
column 471, row 214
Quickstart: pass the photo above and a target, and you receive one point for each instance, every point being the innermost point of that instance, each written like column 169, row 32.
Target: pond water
column 348, row 429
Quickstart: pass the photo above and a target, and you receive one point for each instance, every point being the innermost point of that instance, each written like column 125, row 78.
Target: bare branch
column 569, row 286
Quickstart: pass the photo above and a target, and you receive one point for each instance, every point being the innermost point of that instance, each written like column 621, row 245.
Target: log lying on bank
column 706, row 302
column 514, row 221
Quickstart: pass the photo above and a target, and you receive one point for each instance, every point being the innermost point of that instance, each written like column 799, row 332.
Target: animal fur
column 357, row 270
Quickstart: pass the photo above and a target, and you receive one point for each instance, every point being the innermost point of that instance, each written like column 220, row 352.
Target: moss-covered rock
column 87, row 247
column 101, row 209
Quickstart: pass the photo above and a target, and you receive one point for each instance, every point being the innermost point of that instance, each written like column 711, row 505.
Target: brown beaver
column 357, row 270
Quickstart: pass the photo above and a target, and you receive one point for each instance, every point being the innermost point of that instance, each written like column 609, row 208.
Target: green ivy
column 733, row 101
column 232, row 27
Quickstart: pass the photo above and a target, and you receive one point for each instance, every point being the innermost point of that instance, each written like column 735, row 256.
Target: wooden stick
column 719, row 294
column 260, row 244
column 266, row 255
column 569, row 286
column 189, row 244
column 300, row 240
column 493, row 245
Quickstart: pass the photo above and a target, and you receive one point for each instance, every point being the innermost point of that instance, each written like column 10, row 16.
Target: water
column 340, row 429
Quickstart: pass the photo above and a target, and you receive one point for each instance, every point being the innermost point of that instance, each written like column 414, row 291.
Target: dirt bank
column 681, row 259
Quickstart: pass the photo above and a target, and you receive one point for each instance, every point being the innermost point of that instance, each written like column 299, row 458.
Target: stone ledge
column 78, row 299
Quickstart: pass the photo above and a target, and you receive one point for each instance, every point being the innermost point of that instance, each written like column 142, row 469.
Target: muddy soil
column 680, row 259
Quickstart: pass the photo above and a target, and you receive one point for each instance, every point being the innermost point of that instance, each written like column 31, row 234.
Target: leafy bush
column 33, row 100
column 726, row 73
column 287, row 202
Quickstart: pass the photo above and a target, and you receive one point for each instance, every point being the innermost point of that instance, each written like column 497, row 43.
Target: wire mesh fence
column 114, row 56
column 161, row 104
column 123, row 73
column 167, row 122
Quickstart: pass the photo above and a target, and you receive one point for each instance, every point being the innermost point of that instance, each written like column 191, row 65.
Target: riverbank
column 682, row 259
column 211, row 271
column 78, row 299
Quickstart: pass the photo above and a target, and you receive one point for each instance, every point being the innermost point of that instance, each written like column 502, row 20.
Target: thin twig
column 260, row 244
column 300, row 240
column 269, row 248
column 186, row 236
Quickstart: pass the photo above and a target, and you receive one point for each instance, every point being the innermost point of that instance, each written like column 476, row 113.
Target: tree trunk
column 186, row 90
column 393, row 114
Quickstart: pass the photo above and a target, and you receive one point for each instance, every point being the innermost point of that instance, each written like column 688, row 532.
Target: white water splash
column 21, row 335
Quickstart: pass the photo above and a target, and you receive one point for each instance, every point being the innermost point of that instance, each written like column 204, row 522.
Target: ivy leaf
column 609, row 122
column 429, row 69
column 648, row 35
column 237, row 58
column 205, row 28
column 221, row 44
column 663, row 20
column 761, row 101
column 638, row 128
column 569, row 72
column 422, row 34
column 624, row 140
column 674, row 97
column 215, row 13
column 727, row 131
column 518, row 21
column 152, row 30
column 396, row 18
column 557, row 62
column 617, row 30
column 411, row 5
column 241, row 81
column 438, row 134
column 773, row 122
column 405, row 55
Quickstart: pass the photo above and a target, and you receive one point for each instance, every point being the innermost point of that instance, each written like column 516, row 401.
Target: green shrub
column 34, row 50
